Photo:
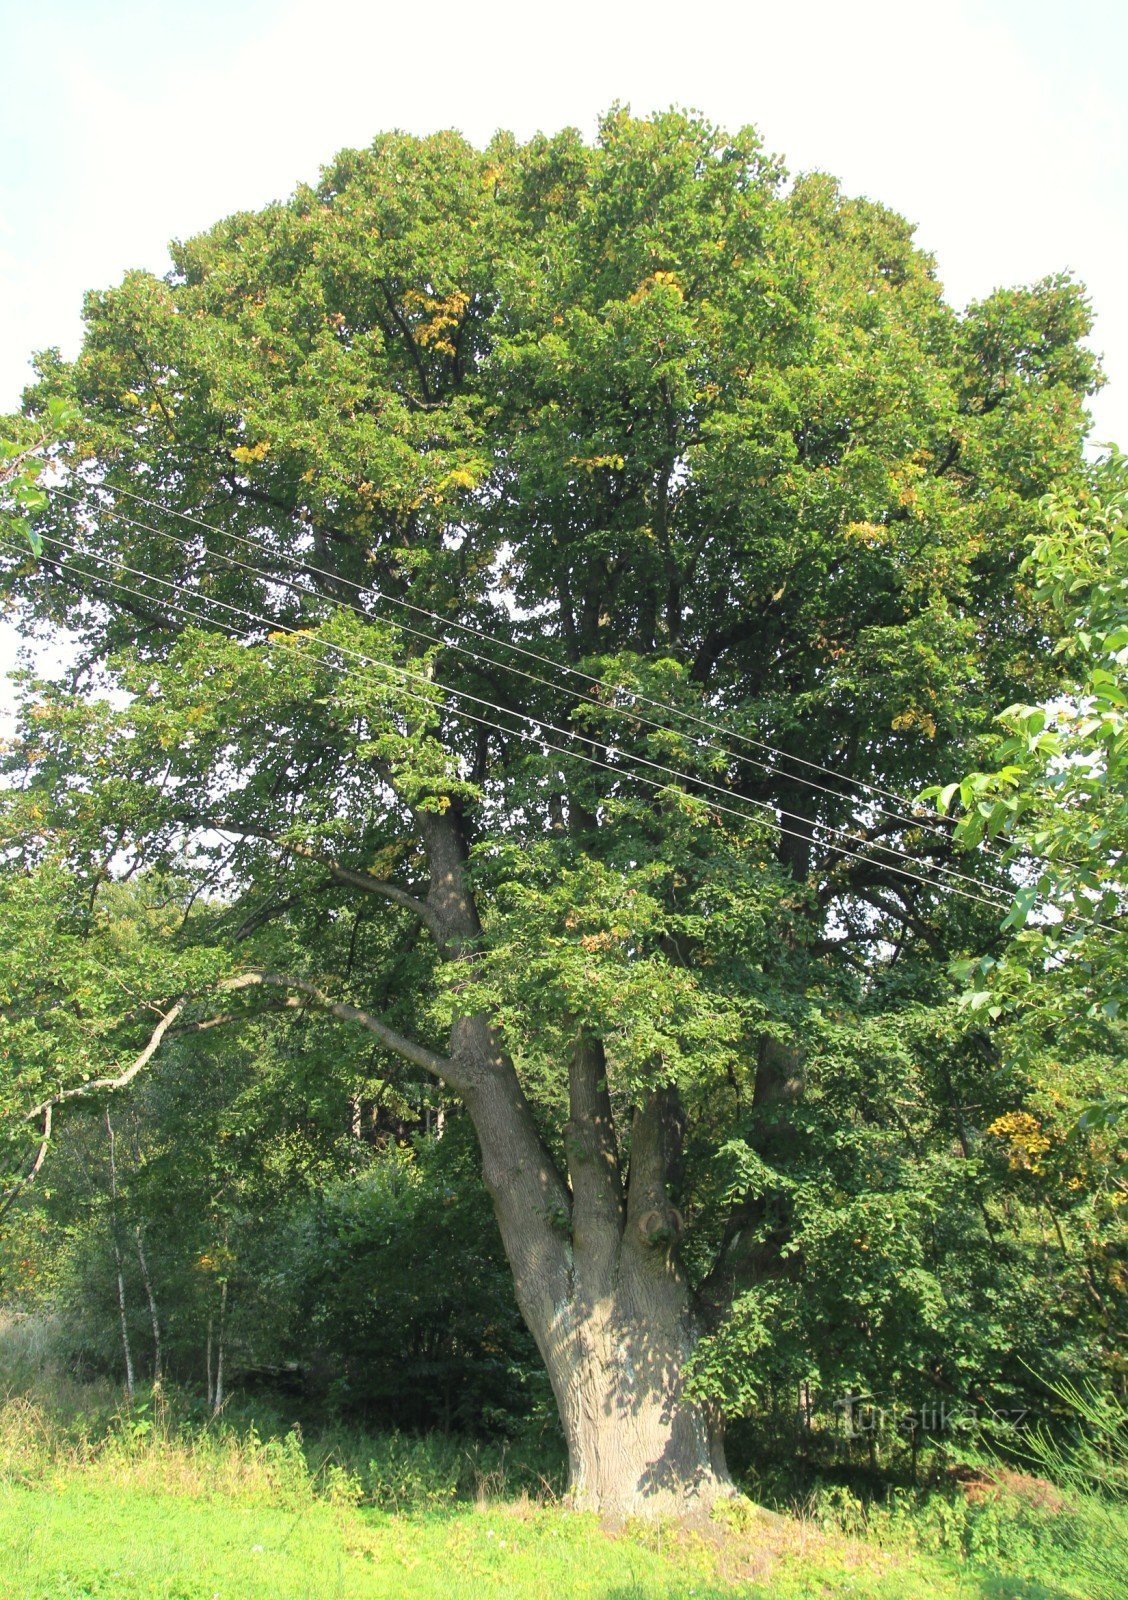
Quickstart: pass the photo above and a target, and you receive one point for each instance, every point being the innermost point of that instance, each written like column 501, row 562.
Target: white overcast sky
column 999, row 128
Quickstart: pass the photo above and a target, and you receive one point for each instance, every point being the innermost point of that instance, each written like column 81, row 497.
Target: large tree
column 429, row 525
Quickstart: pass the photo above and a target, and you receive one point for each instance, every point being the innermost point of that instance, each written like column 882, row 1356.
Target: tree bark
column 637, row 1445
column 127, row 1350
column 600, row 1288
column 595, row 1262
column 154, row 1318
column 130, row 1382
column 219, row 1395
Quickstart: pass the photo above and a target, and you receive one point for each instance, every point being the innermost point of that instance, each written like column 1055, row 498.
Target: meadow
column 152, row 1502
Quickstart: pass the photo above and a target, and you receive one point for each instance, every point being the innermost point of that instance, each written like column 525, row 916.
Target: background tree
column 1057, row 990
column 427, row 527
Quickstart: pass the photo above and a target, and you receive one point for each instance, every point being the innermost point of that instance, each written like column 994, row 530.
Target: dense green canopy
column 617, row 534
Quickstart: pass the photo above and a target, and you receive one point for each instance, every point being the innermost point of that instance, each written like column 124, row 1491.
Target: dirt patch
column 979, row 1483
column 752, row 1543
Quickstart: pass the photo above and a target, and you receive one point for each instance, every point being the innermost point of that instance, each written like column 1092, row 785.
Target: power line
column 298, row 562
column 558, row 666
column 544, row 744
column 536, row 722
column 328, row 600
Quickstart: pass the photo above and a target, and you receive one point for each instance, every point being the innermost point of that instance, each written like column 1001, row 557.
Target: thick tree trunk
column 594, row 1260
column 637, row 1446
column 603, row 1295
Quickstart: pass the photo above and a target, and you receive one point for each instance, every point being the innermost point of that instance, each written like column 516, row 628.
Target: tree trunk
column 637, row 1446
column 130, row 1382
column 603, row 1295
column 594, row 1260
column 218, row 1399
column 154, row 1318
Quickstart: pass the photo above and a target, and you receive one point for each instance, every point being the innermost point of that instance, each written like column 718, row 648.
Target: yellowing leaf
column 245, row 454
column 657, row 280
column 593, row 463
column 913, row 718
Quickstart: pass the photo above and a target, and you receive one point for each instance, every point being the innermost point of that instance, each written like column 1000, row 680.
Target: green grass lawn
column 81, row 1536
column 149, row 1502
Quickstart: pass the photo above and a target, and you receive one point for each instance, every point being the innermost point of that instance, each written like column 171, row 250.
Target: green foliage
column 1090, row 1463
column 715, row 441
column 397, row 1294
column 364, row 1273
column 1057, row 798
column 25, row 458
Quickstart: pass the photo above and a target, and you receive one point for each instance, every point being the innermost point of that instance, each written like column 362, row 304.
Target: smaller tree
column 1057, row 801
column 397, row 1297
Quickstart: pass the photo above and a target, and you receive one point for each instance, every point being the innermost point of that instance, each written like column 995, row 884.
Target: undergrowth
column 1051, row 1540
column 163, row 1443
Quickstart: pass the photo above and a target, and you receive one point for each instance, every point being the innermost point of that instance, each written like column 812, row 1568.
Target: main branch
column 391, row 1038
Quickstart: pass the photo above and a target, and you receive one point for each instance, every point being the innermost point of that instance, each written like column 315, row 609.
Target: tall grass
column 1089, row 1463
column 1070, row 1533
column 161, row 1444
column 52, row 1424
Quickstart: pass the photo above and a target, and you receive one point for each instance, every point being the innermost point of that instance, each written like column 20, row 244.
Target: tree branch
column 656, row 1144
column 45, row 1108
column 348, row 876
column 409, row 341
column 389, row 1037
column 124, row 1077
column 593, row 1157
column 17, row 1189
column 400, row 1045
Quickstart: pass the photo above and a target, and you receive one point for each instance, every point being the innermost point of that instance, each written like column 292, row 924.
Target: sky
column 1000, row 128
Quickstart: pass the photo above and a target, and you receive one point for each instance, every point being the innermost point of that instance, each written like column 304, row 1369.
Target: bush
column 400, row 1300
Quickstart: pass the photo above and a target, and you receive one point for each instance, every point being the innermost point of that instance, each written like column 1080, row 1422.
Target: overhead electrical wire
column 617, row 770
column 299, row 563
column 711, row 725
column 915, row 822
column 620, row 771
column 761, row 806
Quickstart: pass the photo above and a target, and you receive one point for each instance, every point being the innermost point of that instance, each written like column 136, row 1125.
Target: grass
column 92, row 1540
column 153, row 1504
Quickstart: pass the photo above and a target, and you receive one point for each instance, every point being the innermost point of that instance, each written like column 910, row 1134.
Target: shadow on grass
column 681, row 1591
column 991, row 1586
column 822, row 1584
column 972, row 1586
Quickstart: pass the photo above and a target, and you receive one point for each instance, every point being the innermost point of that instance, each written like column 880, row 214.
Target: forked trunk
column 594, row 1253
column 602, row 1292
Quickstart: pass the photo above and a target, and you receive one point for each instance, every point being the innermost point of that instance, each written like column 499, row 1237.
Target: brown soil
column 978, row 1484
